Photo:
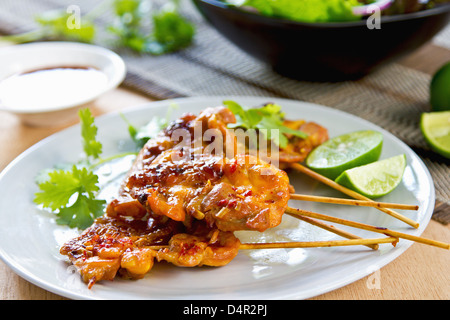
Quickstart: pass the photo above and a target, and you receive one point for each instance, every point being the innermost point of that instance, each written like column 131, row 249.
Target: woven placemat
column 393, row 97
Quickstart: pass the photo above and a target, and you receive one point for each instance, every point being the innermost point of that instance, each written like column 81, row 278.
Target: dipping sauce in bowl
column 46, row 83
column 51, row 87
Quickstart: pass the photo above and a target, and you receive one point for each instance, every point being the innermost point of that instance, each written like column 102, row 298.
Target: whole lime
column 440, row 89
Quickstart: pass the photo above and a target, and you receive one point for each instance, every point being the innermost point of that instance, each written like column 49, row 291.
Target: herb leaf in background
column 171, row 32
column 56, row 25
column 156, row 31
column 127, row 24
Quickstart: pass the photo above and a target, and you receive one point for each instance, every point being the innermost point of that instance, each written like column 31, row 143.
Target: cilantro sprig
column 92, row 147
column 71, row 190
column 267, row 119
column 71, row 193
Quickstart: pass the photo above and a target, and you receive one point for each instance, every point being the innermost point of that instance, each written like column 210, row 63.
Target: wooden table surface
column 422, row 272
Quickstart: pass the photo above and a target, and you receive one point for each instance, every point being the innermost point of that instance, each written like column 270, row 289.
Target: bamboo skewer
column 335, row 230
column 351, row 193
column 316, row 244
column 304, row 244
column 363, row 203
column 200, row 215
column 299, row 212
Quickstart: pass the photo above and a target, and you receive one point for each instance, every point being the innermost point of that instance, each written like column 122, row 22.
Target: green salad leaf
column 304, row 10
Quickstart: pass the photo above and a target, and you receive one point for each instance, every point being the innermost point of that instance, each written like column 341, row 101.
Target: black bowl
column 324, row 51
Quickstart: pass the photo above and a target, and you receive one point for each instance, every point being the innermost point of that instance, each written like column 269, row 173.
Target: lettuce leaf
column 306, row 10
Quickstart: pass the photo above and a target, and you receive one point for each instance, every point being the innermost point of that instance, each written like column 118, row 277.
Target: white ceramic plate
column 16, row 59
column 30, row 239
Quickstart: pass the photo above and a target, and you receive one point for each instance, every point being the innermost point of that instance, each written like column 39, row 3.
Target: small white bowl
column 23, row 58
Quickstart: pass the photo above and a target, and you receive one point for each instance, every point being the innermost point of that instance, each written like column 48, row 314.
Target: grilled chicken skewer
column 189, row 198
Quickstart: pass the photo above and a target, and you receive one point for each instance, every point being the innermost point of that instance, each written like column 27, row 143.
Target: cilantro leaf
column 91, row 146
column 57, row 190
column 61, row 186
column 141, row 135
column 82, row 213
column 171, row 32
column 247, row 119
column 127, row 24
column 267, row 119
column 129, row 8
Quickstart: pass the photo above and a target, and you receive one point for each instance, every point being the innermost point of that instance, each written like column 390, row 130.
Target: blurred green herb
column 54, row 25
column 171, row 32
column 156, row 31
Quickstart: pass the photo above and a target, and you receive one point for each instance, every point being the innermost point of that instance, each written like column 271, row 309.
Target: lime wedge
column 435, row 127
column 346, row 151
column 375, row 179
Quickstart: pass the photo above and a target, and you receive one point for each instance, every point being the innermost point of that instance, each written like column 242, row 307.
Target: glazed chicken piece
column 298, row 148
column 193, row 129
column 185, row 182
column 113, row 246
column 203, row 246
